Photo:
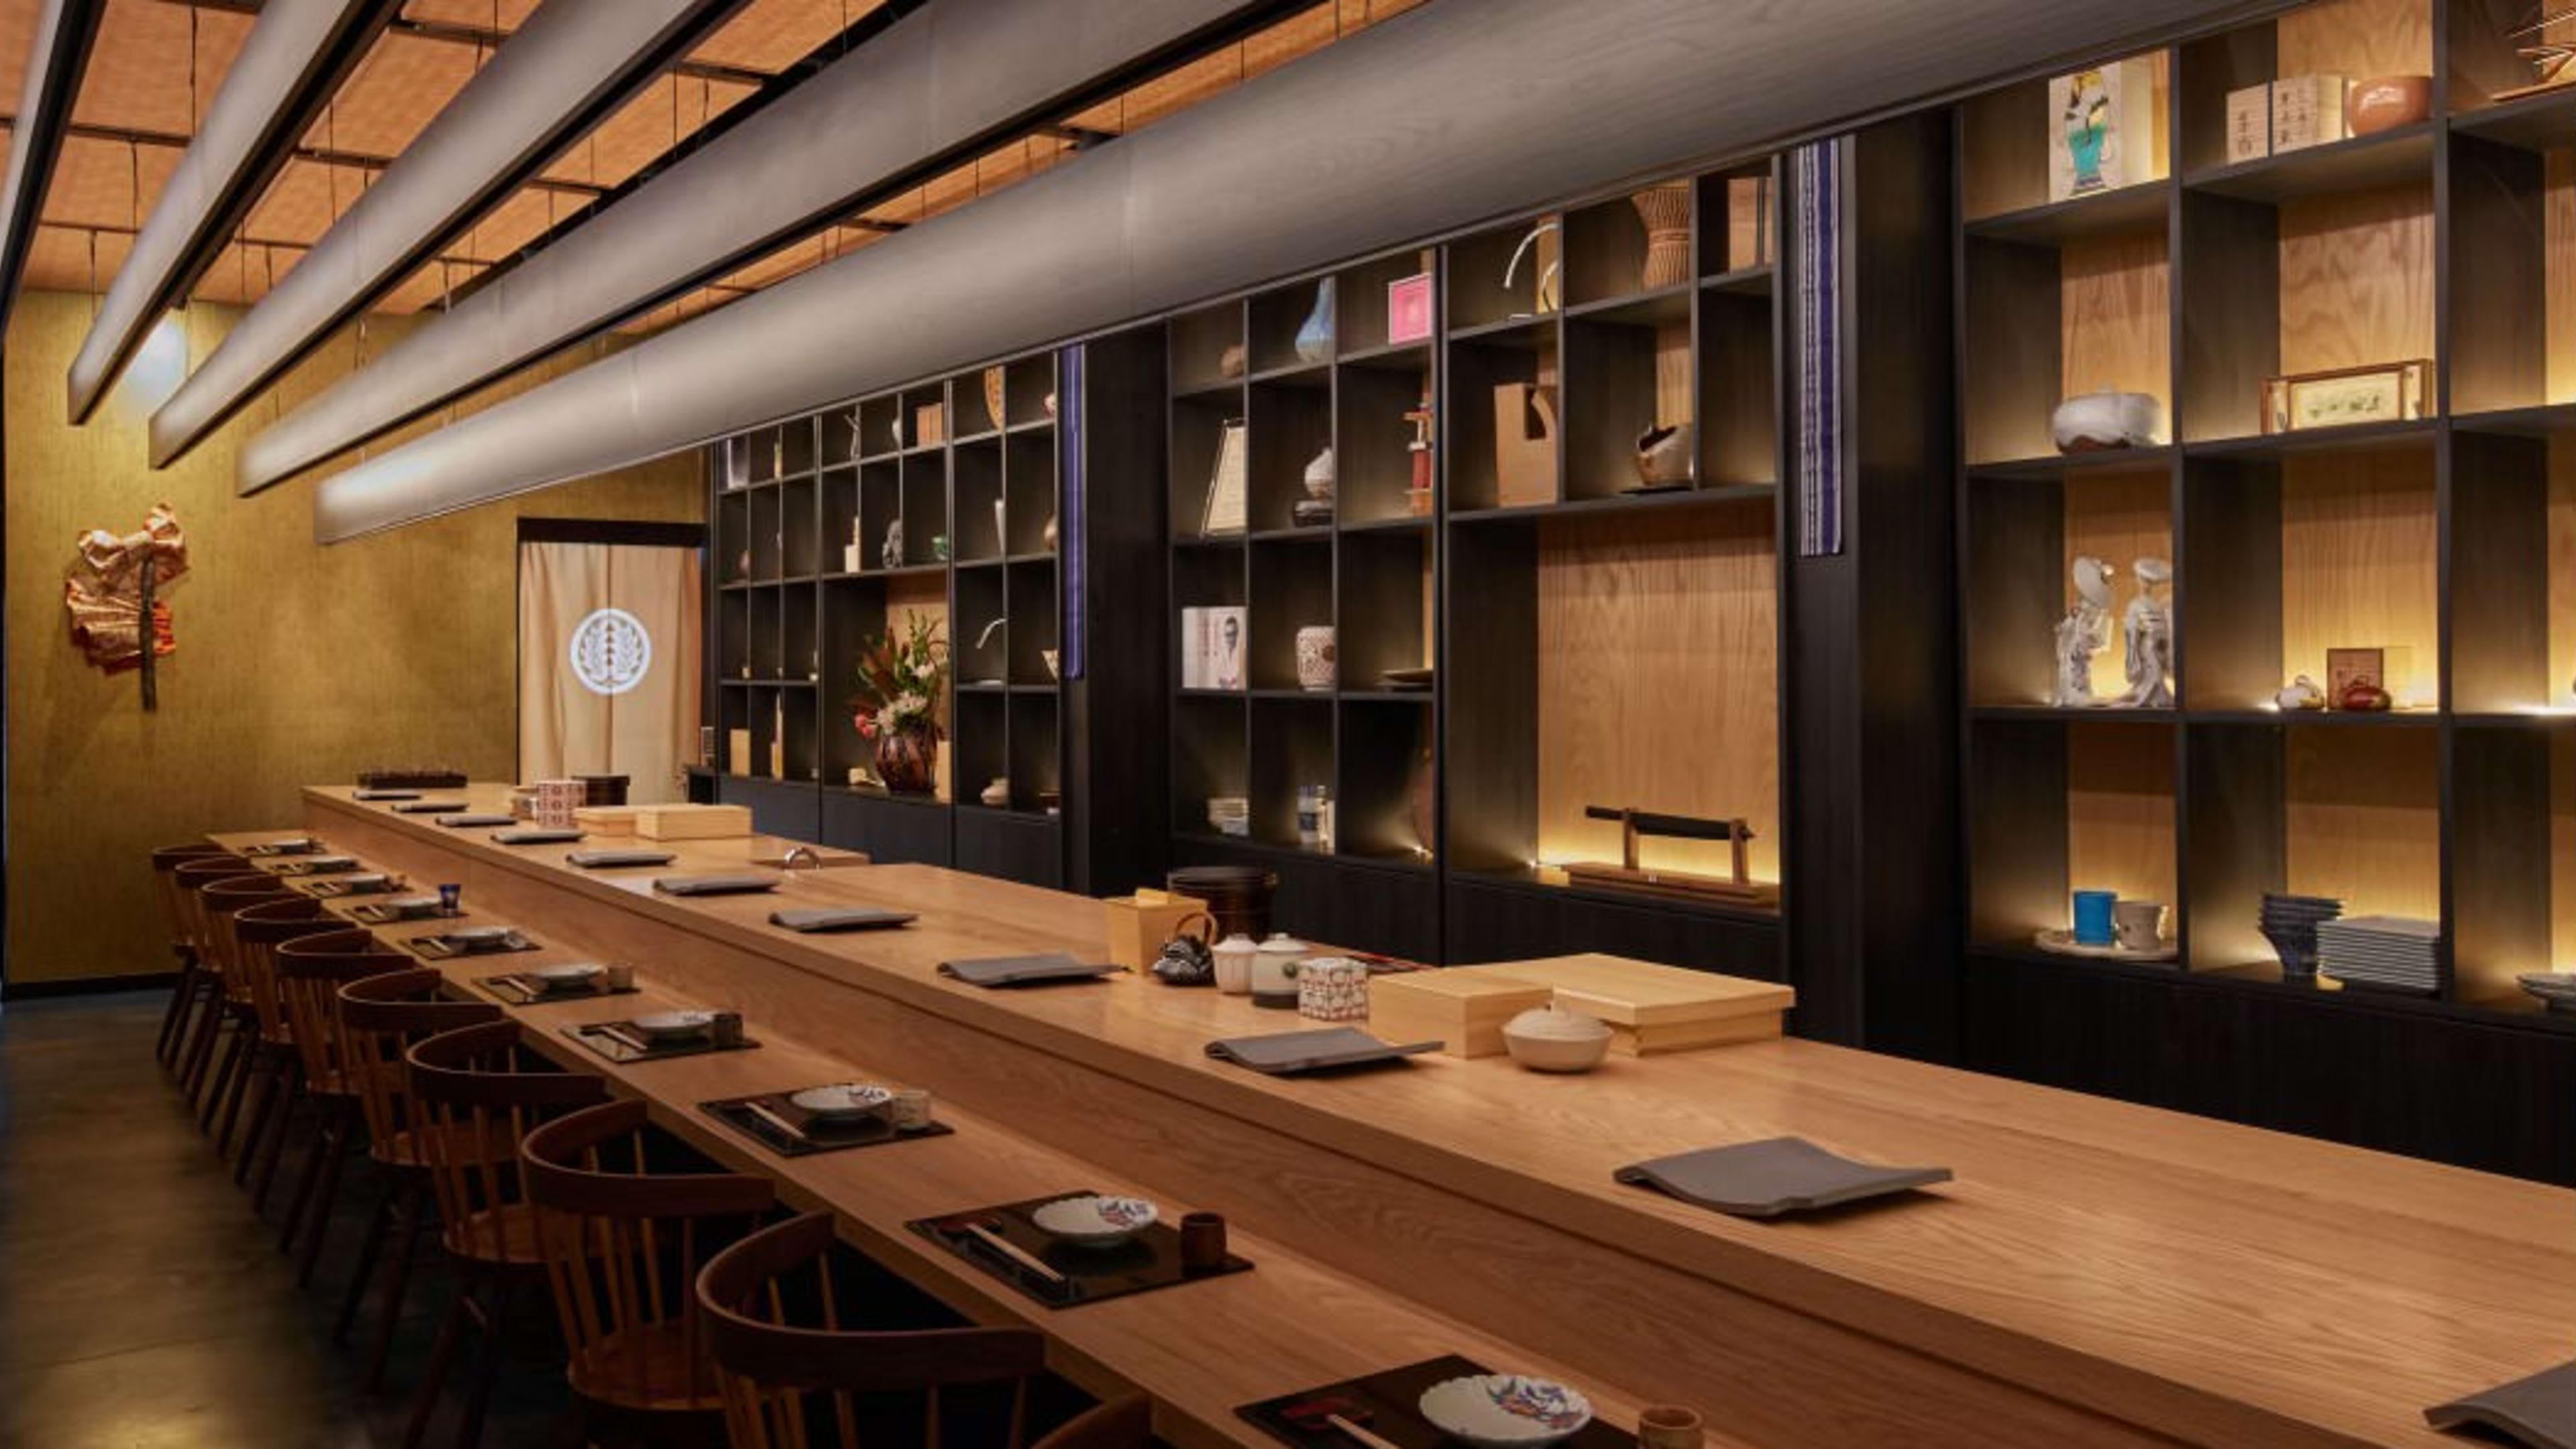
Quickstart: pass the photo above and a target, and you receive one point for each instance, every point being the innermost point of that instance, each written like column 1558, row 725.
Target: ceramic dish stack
column 2290, row 924
column 2383, row 953
column 2555, row 989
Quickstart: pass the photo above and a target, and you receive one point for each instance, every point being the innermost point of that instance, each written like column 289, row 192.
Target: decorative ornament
column 111, row 596
column 2083, row 633
column 2148, row 634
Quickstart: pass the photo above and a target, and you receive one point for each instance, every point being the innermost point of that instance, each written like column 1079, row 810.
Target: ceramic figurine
column 1664, row 455
column 890, row 553
column 2299, row 694
column 2094, row 421
column 2148, row 630
column 1315, row 338
column 1229, row 363
column 1047, row 534
column 1320, row 476
column 2365, row 697
column 2083, row 633
column 998, row 793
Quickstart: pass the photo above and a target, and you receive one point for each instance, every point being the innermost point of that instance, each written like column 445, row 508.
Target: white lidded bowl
column 675, row 1023
column 1551, row 1039
column 1095, row 1221
column 1505, row 1411
column 842, row 1101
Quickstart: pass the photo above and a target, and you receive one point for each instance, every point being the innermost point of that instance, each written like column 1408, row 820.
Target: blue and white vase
column 1315, row 338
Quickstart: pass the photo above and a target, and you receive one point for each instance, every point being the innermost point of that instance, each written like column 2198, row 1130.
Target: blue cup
column 2093, row 917
column 450, row 895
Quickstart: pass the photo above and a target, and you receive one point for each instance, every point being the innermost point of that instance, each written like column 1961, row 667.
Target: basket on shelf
column 1665, row 209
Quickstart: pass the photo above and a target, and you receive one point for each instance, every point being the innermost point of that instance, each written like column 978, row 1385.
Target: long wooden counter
column 2098, row 1274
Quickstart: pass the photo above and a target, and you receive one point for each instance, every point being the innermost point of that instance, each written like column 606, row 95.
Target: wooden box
column 1141, row 923
column 1524, row 444
column 1462, row 1007
column 691, row 822
column 613, row 821
column 1653, row 1008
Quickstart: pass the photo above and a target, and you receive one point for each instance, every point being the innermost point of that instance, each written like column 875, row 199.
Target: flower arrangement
column 901, row 682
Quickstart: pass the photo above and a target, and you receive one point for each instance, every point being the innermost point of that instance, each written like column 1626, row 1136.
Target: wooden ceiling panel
column 479, row 14
column 300, row 204
column 521, row 218
column 107, row 183
column 395, row 92
column 641, row 130
column 59, row 259
column 771, row 35
column 138, row 72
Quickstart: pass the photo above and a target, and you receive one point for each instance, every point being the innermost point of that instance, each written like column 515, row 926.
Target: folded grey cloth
column 536, row 835
column 1287, row 1053
column 471, row 819
column 839, row 918
column 605, row 859
column 1017, row 970
column 2537, row 1410
column 429, row 807
column 713, row 885
column 1773, row 1176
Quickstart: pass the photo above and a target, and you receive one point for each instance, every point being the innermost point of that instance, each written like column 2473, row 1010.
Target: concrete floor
column 142, row 1306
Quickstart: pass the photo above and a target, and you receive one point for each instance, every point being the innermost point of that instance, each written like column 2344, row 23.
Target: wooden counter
column 2099, row 1273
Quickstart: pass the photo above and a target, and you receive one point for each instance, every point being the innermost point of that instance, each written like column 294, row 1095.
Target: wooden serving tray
column 1652, row 1008
column 1463, row 1007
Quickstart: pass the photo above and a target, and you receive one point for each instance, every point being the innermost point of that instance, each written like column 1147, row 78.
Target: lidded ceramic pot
column 1552, row 1039
column 1234, row 956
column 1274, row 971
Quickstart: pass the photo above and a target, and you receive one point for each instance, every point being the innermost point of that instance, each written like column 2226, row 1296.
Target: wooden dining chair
column 310, row 972
column 220, row 902
column 257, row 932
column 623, row 1244
column 196, row 1057
column 184, row 997
column 792, row 1374
column 479, row 1093
column 381, row 1017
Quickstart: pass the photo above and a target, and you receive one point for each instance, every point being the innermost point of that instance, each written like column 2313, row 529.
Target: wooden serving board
column 691, row 822
column 1653, row 1008
column 1458, row 1006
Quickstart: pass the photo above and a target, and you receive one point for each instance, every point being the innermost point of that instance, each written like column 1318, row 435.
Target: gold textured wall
column 296, row 664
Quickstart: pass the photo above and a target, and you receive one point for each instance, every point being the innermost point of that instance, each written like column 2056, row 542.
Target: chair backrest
column 166, row 861
column 257, row 931
column 310, row 972
column 774, row 1330
column 190, row 878
column 219, row 903
column 380, row 1018
column 623, row 1245
column 476, row 1098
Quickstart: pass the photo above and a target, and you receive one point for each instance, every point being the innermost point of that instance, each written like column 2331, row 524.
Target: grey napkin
column 1016, row 970
column 536, row 835
column 605, row 859
column 1773, row 1176
column 839, row 918
column 429, row 807
column 713, row 885
column 384, row 794
column 470, row 819
column 2539, row 1410
column 1290, row 1052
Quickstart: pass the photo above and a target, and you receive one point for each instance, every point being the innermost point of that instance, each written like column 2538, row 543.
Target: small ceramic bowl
column 1550, row 1039
column 843, row 1101
column 564, row 978
column 1505, row 1411
column 1095, row 1222
column 2092, row 421
column 479, row 935
column 662, row 1025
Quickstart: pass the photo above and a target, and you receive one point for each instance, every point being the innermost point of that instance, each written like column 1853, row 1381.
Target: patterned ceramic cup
column 1315, row 657
column 1332, row 988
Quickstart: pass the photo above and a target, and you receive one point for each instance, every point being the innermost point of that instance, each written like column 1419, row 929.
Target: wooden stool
column 257, row 933
column 166, row 861
column 609, row 1226
column 220, row 902
column 189, row 880
column 479, row 1092
column 380, row 1018
column 779, row 1376
column 310, row 972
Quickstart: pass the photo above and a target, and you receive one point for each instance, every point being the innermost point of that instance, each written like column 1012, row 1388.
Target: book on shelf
column 1212, row 646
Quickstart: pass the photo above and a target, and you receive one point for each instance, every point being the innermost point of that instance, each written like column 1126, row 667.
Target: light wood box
column 691, row 822
column 1653, row 1008
column 609, row 820
column 1141, row 923
column 1462, row 1007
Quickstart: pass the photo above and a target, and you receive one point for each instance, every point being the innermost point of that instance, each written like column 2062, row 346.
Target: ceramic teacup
column 2139, row 925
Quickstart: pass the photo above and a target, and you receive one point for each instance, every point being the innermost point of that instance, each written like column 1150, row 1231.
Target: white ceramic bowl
column 476, row 935
column 2106, row 420
column 577, row 973
column 667, row 1024
column 842, row 1101
column 1505, row 1411
column 1095, row 1222
column 1552, row 1040
column 413, row 903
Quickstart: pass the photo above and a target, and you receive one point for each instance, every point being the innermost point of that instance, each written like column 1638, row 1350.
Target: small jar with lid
column 1234, row 960
column 1274, row 972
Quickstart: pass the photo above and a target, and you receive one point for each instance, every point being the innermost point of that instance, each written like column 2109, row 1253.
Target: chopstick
column 1016, row 1253
column 1356, row 1432
column 613, row 1034
column 752, row 1105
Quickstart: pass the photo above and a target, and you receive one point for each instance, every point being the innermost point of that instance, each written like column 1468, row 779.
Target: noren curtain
column 609, row 676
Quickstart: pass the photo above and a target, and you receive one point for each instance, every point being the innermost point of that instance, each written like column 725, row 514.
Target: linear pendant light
column 56, row 62
column 937, row 86
column 1442, row 117
column 562, row 72
column 295, row 58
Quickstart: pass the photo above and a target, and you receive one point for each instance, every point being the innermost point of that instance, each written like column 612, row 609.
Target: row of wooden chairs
column 684, row 1310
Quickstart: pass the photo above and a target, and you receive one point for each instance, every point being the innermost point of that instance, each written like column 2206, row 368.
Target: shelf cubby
column 1381, row 795
column 1625, row 372
column 839, row 529
column 1473, row 290
column 1211, row 756
column 1275, row 318
column 975, row 470
column 1359, row 299
column 880, row 504
column 1291, row 589
column 1738, row 220
column 924, row 507
column 767, row 641
column 2023, row 537
column 925, row 419
column 1372, row 441
column 1030, row 595
column 1035, row 764
column 981, row 646
column 732, row 643
column 1290, row 423
column 980, row 743
column 1029, row 480
column 2064, row 803
column 798, row 552
column 1199, row 423
column 880, row 427
column 1291, row 746
column 800, row 650
column 2004, row 141
column 1029, row 391
column 733, row 538
column 1384, row 611
column 1199, row 342
column 1527, row 354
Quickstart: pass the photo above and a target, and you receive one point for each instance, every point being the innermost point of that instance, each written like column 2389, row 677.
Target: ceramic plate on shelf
column 1505, row 1411
column 2063, row 943
column 842, row 1101
column 1095, row 1222
column 671, row 1025
column 2556, row 988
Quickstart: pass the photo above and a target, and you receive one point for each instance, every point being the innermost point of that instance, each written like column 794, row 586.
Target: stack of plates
column 2556, row 989
column 2387, row 953
column 2290, row 924
column 1229, row 814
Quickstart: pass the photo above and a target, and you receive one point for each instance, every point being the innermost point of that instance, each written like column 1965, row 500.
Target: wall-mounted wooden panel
column 2364, row 818
column 1658, row 640
column 2358, row 549
column 2357, row 278
column 2357, row 38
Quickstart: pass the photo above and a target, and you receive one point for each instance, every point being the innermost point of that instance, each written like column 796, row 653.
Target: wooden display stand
column 1628, row 875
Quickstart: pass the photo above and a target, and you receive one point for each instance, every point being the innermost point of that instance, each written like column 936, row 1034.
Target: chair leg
column 212, row 1103
column 414, row 1205
column 201, row 1042
column 272, row 1087
column 487, row 1363
column 277, row 1142
column 174, row 1022
column 368, row 1247
column 320, row 1212
column 442, row 1360
column 262, row 1064
column 326, row 1119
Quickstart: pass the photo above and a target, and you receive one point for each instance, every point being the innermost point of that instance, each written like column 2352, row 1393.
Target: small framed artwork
column 1225, row 510
column 1408, row 309
column 2382, row 393
column 2388, row 667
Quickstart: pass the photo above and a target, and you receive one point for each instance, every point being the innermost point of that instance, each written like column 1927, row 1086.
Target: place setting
column 456, row 941
column 473, row 819
column 618, row 858
column 537, row 835
column 660, row 1034
column 289, row 845
column 1082, row 1247
column 569, row 981
column 1445, row 1402
column 448, row 904
column 823, row 920
column 1033, row 970
column 830, row 1118
column 313, row 865
column 432, row 807
column 360, row 883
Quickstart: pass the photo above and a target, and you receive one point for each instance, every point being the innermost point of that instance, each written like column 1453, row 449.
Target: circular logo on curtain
column 610, row 651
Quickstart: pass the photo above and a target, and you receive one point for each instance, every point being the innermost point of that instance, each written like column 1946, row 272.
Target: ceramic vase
column 2096, row 420
column 1664, row 455
column 1665, row 210
column 908, row 759
column 2384, row 103
column 1320, row 476
column 1315, row 337
column 993, row 395
column 1315, row 657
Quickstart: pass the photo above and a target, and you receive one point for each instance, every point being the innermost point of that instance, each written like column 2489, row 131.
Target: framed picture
column 2102, row 129
column 2382, row 393
column 1225, row 508
column 1408, row 309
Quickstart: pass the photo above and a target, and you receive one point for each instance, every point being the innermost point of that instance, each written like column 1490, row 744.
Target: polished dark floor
column 142, row 1306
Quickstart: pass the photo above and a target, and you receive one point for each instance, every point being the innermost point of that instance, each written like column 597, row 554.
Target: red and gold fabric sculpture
column 110, row 585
